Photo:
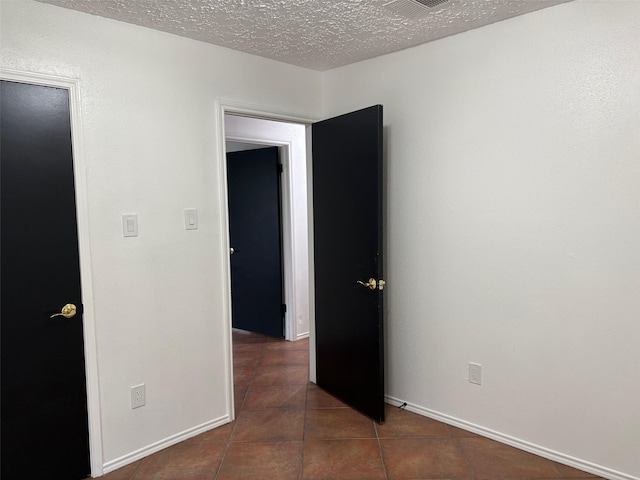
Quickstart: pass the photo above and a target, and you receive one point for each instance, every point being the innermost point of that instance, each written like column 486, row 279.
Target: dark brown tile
column 239, row 393
column 400, row 423
column 217, row 435
column 247, row 358
column 269, row 426
column 248, row 347
column 569, row 472
column 186, row 460
column 124, row 473
column 162, row 473
column 284, row 345
column 243, row 375
column 342, row 460
column 490, row 459
column 276, row 340
column 424, row 458
column 277, row 358
column 275, row 396
column 274, row 460
column 456, row 432
column 285, row 375
column 337, row 423
column 248, row 337
column 318, row 398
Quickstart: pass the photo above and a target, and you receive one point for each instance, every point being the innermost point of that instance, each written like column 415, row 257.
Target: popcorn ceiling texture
column 315, row 34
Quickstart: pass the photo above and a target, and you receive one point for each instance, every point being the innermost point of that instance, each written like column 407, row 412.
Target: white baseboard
column 514, row 442
column 301, row 336
column 162, row 444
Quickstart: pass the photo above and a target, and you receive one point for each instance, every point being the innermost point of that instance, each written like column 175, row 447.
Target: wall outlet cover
column 475, row 373
column 138, row 396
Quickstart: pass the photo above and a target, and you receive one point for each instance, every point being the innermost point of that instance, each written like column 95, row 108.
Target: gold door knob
column 371, row 284
column 232, row 251
column 68, row 311
column 381, row 284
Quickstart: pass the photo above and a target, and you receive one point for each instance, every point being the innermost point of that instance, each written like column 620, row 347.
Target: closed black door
column 253, row 179
column 347, row 213
column 44, row 404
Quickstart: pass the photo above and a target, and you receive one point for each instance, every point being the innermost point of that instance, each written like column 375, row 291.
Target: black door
column 347, row 213
column 44, row 404
column 253, row 178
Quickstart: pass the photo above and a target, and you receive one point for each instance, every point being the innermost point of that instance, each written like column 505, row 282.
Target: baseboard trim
column 301, row 336
column 162, row 444
column 514, row 442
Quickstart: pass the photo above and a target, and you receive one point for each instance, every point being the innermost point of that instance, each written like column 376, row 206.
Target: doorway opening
column 257, row 130
column 290, row 139
column 348, row 333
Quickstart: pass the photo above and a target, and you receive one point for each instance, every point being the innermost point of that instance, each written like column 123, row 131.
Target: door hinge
column 284, row 308
column 280, row 168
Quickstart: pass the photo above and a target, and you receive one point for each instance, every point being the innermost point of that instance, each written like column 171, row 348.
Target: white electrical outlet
column 138, row 397
column 475, row 373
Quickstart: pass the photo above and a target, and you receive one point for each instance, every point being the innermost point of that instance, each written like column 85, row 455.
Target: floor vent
column 412, row 8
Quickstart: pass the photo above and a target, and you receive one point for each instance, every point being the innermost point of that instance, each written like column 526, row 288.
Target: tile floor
column 287, row 428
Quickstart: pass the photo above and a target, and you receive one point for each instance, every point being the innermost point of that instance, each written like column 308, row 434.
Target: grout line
column 224, row 455
column 463, row 453
column 304, row 430
column 135, row 470
column 384, row 466
column 235, row 422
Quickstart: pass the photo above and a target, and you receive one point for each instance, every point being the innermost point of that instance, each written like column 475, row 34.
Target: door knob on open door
column 68, row 311
column 370, row 284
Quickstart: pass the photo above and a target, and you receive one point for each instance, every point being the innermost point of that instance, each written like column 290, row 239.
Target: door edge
column 73, row 86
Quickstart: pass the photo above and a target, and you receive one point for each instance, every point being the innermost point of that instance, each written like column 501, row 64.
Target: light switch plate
column 190, row 219
column 130, row 225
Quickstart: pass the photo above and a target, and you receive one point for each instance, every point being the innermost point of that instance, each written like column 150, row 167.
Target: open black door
column 44, row 405
column 347, row 214
column 253, row 179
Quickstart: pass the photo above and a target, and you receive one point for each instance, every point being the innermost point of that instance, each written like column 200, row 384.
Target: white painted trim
column 312, row 273
column 225, row 271
column 236, row 108
column 302, row 336
column 165, row 443
column 86, row 277
column 288, row 245
column 513, row 441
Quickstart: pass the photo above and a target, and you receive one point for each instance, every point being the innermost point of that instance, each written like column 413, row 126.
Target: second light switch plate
column 130, row 225
column 191, row 219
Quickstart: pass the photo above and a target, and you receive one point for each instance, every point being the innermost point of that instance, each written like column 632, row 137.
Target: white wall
column 512, row 217
column 150, row 125
column 292, row 138
column 513, row 232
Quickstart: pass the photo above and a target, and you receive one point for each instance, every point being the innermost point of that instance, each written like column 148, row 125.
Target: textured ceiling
column 317, row 34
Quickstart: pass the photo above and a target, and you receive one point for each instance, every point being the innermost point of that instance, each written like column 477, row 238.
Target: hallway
column 289, row 429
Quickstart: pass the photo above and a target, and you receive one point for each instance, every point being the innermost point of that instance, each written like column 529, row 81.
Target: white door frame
column 86, row 282
column 229, row 107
